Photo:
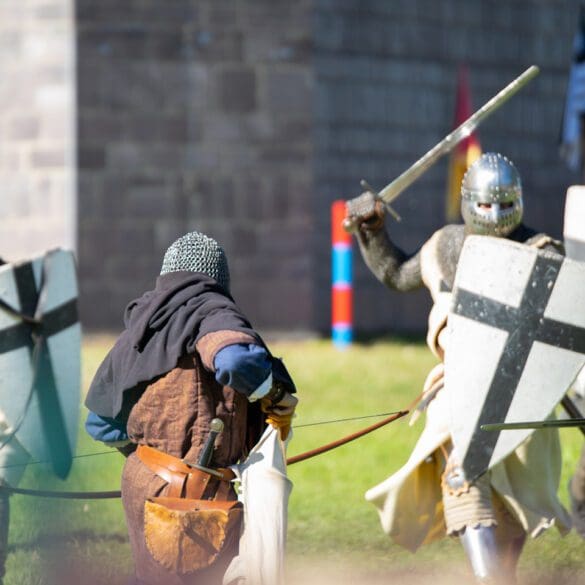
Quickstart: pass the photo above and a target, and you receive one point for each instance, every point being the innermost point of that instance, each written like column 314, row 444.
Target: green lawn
column 334, row 535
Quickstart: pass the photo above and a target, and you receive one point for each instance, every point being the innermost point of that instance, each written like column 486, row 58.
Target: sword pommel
column 215, row 427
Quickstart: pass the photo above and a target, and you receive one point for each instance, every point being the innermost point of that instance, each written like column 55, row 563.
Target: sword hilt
column 365, row 185
column 365, row 206
column 215, row 428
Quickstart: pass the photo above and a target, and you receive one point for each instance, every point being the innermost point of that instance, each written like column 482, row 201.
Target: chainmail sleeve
column 389, row 264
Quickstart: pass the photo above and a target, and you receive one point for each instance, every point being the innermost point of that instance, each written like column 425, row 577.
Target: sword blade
column 536, row 424
column 396, row 187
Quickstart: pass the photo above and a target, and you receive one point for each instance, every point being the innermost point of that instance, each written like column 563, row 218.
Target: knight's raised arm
column 389, row 264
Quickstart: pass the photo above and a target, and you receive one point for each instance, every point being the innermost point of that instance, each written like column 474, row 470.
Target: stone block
column 211, row 45
column 294, row 130
column 150, row 199
column 152, row 156
column 53, row 11
column 249, row 192
column 48, row 158
column 11, row 42
column 274, row 15
column 23, row 128
column 235, row 89
column 99, row 128
column 91, row 158
column 167, row 45
column 9, row 160
column 224, row 197
column 157, row 127
column 222, row 15
column 246, row 247
column 33, row 235
column 114, row 42
column 287, row 90
column 198, row 85
column 169, row 13
column 201, row 157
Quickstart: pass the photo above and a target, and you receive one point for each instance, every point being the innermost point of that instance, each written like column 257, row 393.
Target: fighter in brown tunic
column 187, row 356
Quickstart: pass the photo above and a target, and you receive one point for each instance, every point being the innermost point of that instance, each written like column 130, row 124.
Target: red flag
column 465, row 153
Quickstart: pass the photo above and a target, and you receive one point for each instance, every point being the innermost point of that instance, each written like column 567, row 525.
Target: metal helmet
column 196, row 252
column 491, row 196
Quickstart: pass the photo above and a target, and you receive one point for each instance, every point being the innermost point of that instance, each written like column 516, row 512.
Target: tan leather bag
column 186, row 535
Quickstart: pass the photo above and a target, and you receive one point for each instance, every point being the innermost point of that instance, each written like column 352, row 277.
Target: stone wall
column 245, row 119
column 196, row 115
column 37, row 127
column 385, row 87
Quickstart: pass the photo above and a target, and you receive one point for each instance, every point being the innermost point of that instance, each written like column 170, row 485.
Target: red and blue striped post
column 341, row 279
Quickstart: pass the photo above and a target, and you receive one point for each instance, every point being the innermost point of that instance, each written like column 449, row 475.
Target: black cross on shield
column 33, row 332
column 525, row 325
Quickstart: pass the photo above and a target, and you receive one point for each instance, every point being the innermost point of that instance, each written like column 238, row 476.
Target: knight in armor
column 427, row 498
column 187, row 357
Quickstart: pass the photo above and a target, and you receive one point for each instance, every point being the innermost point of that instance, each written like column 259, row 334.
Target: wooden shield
column 516, row 342
column 40, row 344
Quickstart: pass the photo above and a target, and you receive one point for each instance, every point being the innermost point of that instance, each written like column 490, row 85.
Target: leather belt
column 185, row 481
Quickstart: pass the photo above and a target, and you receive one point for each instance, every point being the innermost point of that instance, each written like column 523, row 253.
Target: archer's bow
column 344, row 440
column 290, row 461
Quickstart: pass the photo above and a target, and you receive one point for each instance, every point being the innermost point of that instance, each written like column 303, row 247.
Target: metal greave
column 487, row 562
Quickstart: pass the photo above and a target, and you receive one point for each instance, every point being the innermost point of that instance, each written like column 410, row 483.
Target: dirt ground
column 448, row 575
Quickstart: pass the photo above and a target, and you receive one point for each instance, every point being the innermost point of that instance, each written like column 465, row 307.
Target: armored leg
column 486, row 559
column 474, row 513
column 577, row 495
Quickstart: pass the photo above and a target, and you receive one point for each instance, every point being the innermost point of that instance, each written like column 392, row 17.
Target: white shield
column 40, row 368
column 574, row 240
column 574, row 224
column 516, row 342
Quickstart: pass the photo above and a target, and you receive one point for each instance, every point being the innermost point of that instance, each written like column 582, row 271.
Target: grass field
column 334, row 535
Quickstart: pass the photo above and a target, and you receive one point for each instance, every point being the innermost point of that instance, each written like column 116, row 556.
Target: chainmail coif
column 196, row 252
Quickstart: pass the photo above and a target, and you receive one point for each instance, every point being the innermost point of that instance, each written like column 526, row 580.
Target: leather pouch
column 186, row 535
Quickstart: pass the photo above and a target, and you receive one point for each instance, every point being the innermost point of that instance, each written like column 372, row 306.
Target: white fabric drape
column 264, row 491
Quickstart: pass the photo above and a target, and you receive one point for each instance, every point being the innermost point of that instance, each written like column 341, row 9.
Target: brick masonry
column 37, row 127
column 196, row 115
column 246, row 119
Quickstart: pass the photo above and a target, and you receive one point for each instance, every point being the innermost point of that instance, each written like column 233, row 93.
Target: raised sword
column 398, row 185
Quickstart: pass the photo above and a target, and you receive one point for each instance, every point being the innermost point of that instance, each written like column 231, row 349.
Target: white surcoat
column 410, row 502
